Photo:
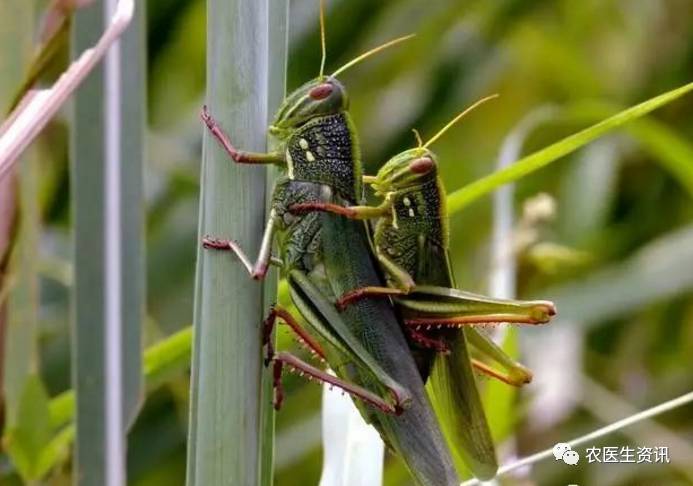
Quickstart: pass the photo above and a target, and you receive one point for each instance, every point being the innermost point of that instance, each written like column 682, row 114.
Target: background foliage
column 616, row 253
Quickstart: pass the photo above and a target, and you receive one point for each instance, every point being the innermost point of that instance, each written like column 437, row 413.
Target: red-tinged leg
column 325, row 207
column 358, row 294
column 518, row 380
column 277, row 385
column 304, row 369
column 304, row 338
column 471, row 320
column 237, row 155
column 258, row 270
column 351, row 212
column 428, row 342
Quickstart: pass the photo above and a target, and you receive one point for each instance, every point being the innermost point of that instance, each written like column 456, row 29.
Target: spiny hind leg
column 304, row 338
column 296, row 365
column 428, row 323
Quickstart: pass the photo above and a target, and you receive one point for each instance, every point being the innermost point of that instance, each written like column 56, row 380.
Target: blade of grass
column 19, row 347
column 671, row 150
column 88, row 338
column 107, row 128
column 633, row 419
column 225, row 437
column 471, row 192
column 38, row 107
column 132, row 143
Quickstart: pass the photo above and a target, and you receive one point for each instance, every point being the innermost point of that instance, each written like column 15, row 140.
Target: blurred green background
column 615, row 249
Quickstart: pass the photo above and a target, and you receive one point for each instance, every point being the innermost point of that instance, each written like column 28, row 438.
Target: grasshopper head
column 405, row 170
column 319, row 97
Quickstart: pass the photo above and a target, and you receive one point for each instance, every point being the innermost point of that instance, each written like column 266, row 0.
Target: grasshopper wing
column 458, row 406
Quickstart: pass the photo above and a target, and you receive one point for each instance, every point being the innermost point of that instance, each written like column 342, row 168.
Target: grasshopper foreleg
column 403, row 284
column 357, row 294
column 351, row 212
column 238, row 156
column 258, row 270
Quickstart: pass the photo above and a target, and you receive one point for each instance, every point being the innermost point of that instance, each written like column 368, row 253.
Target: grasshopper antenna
column 455, row 120
column 366, row 54
column 322, row 39
column 419, row 142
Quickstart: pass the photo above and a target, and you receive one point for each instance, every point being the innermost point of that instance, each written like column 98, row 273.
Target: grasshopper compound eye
column 321, row 91
column 422, row 165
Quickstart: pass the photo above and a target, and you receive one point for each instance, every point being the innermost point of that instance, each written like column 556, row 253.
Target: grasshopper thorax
column 319, row 97
column 410, row 181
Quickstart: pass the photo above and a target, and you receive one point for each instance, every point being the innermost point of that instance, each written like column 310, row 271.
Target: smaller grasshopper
column 411, row 242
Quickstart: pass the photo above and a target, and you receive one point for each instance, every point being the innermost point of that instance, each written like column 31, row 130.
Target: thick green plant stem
column 225, row 433
column 278, row 23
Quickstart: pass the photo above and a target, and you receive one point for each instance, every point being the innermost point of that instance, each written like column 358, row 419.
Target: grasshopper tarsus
column 216, row 243
column 218, row 133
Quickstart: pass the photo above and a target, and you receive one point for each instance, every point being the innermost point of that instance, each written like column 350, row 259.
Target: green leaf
column 668, row 148
column 29, row 435
column 168, row 358
column 525, row 166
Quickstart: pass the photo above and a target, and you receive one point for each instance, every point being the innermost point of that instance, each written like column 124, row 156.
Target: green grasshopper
column 322, row 257
column 410, row 240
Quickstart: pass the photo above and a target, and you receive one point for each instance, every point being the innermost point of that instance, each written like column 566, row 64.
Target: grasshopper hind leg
column 295, row 364
column 304, row 369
